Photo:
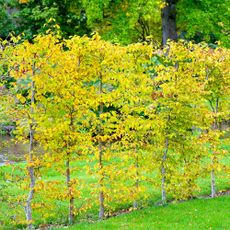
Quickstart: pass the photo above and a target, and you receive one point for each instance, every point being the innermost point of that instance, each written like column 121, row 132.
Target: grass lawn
column 194, row 214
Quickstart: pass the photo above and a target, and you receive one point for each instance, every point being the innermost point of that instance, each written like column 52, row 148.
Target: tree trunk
column 168, row 16
column 28, row 208
column 100, row 150
column 163, row 191
column 213, row 184
column 101, row 193
column 135, row 203
column 71, row 199
column 215, row 126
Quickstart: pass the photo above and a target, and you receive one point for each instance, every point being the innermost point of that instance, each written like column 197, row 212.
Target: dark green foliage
column 125, row 22
column 6, row 18
column 119, row 21
column 206, row 20
column 34, row 17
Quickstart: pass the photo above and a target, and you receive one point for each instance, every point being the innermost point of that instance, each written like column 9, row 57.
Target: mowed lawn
column 206, row 213
column 194, row 214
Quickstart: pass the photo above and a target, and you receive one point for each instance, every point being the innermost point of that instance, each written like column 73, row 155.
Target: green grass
column 195, row 214
column 59, row 208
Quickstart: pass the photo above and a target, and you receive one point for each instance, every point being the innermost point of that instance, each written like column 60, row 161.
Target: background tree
column 168, row 17
column 8, row 24
column 206, row 20
column 121, row 21
column 33, row 17
column 124, row 21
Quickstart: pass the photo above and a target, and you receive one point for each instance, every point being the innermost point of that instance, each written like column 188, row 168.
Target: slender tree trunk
column 163, row 172
column 68, row 174
column 71, row 199
column 28, row 208
column 135, row 203
column 213, row 180
column 100, row 150
column 213, row 184
column 101, row 193
column 168, row 16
